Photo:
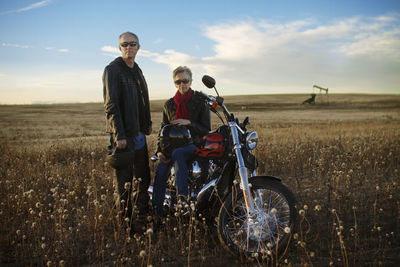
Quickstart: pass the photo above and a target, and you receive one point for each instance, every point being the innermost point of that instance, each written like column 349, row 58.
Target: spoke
column 254, row 236
column 236, row 217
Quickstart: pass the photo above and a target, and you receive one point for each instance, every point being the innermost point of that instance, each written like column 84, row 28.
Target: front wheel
column 268, row 230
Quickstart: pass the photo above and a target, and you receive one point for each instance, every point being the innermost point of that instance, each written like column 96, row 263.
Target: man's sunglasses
column 125, row 44
column 182, row 81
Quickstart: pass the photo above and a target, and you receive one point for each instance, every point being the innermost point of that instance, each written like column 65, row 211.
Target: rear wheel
column 267, row 231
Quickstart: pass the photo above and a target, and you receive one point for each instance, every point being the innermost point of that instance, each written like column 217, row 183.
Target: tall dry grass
column 57, row 200
column 346, row 177
column 57, row 208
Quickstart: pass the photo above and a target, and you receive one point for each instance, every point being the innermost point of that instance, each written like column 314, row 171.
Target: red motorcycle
column 255, row 214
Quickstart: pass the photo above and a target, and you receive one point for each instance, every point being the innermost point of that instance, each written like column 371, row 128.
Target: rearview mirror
column 208, row 81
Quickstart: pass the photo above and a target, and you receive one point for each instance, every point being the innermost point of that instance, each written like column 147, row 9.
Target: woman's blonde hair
column 181, row 69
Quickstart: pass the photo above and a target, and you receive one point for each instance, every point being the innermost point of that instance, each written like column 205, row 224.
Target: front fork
column 244, row 177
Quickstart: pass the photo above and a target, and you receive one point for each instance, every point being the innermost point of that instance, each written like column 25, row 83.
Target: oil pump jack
column 321, row 89
column 311, row 100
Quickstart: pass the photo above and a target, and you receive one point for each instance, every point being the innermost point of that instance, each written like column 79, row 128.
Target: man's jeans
column 132, row 191
column 180, row 156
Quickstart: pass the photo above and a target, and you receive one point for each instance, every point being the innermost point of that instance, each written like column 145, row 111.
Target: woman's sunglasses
column 182, row 81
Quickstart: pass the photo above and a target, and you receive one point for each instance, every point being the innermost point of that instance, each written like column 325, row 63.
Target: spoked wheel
column 268, row 230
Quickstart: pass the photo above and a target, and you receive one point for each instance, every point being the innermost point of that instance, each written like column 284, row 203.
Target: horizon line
column 160, row 99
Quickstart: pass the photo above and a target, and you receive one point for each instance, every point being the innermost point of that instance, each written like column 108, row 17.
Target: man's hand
column 162, row 158
column 149, row 130
column 181, row 122
column 121, row 144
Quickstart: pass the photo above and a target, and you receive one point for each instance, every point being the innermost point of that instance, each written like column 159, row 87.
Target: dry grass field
column 340, row 157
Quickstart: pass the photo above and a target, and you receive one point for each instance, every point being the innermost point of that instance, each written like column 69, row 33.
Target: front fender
column 251, row 179
column 269, row 177
column 256, row 178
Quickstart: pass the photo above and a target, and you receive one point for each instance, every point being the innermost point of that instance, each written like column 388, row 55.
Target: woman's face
column 182, row 82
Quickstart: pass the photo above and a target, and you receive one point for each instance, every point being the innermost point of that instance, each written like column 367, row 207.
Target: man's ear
column 138, row 46
column 119, row 47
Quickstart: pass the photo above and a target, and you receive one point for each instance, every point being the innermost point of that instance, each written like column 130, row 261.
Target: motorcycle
column 254, row 214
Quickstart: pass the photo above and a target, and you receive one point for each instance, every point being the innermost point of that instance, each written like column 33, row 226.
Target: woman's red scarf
column 181, row 100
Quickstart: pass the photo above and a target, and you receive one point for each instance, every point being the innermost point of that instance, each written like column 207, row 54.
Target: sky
column 55, row 51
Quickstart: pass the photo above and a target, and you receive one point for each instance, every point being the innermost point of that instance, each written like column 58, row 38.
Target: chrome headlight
column 251, row 140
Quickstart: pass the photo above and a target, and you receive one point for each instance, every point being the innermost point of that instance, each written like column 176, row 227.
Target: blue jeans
column 180, row 156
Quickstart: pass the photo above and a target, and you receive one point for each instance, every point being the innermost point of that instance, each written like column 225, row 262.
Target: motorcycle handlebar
column 204, row 96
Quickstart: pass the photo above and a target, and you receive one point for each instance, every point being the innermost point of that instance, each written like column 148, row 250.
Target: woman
column 188, row 109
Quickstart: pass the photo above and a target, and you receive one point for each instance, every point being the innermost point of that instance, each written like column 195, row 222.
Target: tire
column 265, row 235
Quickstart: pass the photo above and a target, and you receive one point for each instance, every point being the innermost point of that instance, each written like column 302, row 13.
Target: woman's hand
column 181, row 122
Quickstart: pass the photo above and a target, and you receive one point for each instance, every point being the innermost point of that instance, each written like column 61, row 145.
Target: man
column 128, row 120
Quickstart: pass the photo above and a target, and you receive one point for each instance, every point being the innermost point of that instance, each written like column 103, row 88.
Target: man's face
column 182, row 82
column 129, row 46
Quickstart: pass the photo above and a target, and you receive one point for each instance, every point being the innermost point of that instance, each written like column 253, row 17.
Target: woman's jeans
column 180, row 156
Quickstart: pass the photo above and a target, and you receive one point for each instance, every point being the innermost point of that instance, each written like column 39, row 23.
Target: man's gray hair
column 181, row 69
column 130, row 33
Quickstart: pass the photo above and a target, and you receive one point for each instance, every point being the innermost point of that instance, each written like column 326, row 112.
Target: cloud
column 34, row 5
column 357, row 54
column 159, row 41
column 173, row 58
column 61, row 50
column 16, row 45
column 30, row 7
column 147, row 53
column 232, row 42
column 379, row 39
column 360, row 53
column 110, row 49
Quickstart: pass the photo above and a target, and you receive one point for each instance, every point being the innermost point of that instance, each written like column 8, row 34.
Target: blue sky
column 54, row 51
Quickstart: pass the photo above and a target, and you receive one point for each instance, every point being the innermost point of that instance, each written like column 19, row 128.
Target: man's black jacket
column 126, row 100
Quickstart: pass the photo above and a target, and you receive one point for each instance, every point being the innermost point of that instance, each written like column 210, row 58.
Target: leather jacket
column 199, row 116
column 126, row 100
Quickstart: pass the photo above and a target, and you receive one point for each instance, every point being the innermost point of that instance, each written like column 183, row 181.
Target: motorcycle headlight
column 251, row 140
